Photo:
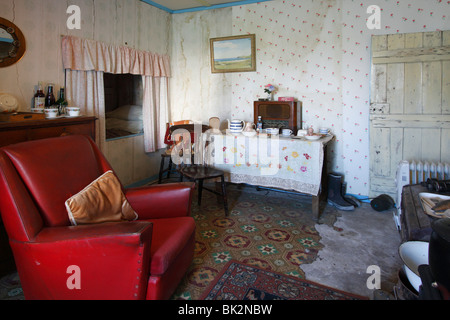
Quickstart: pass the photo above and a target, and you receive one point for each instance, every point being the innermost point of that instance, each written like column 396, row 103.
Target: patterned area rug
column 270, row 230
column 242, row 282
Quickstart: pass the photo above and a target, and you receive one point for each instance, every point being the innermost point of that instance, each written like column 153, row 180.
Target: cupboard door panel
column 410, row 104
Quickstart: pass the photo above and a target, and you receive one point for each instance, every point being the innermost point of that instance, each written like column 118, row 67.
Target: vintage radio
column 279, row 114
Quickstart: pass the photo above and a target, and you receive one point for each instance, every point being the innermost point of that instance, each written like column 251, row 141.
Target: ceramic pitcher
column 249, row 126
column 236, row 126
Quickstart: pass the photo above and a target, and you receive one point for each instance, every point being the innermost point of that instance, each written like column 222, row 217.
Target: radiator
column 414, row 172
column 421, row 171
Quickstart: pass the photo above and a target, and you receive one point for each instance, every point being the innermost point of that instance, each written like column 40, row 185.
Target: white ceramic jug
column 249, row 127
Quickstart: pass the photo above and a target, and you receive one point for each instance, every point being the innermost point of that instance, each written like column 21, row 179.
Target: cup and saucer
column 286, row 132
column 273, row 131
column 324, row 131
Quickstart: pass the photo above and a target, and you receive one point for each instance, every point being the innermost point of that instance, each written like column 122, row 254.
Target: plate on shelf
column 8, row 103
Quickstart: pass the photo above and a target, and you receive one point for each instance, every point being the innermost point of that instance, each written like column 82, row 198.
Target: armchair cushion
column 101, row 201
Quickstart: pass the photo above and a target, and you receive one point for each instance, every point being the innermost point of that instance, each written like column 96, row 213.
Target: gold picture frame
column 233, row 54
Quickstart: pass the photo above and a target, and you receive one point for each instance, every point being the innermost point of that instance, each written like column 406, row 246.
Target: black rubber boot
column 335, row 197
column 350, row 199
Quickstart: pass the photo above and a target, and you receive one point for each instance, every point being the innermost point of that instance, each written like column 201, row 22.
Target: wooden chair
column 198, row 171
column 167, row 154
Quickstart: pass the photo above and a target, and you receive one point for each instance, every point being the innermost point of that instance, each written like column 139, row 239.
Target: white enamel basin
column 414, row 254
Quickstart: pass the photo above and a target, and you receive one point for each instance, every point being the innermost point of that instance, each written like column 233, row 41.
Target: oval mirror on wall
column 12, row 43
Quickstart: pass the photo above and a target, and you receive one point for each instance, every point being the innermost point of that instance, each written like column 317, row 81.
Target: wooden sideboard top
column 8, row 125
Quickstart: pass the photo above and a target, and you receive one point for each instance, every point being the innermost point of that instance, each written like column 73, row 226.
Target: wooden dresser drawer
column 57, row 131
column 14, row 132
column 13, row 136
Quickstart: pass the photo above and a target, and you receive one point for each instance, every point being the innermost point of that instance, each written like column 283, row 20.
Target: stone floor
column 357, row 240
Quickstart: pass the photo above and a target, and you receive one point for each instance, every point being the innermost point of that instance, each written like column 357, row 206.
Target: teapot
column 236, row 126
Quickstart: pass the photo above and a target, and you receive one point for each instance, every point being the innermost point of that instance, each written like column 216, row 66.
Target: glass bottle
column 50, row 97
column 259, row 124
column 62, row 102
column 39, row 97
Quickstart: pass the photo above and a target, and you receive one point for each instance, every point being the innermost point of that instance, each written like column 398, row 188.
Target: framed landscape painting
column 233, row 54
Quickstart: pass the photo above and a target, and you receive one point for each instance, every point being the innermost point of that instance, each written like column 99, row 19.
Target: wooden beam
column 410, row 121
column 412, row 55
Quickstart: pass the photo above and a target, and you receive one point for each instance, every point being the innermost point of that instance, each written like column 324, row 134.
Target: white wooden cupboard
column 410, row 104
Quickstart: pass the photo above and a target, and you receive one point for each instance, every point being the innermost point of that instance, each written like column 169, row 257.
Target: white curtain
column 156, row 114
column 85, row 89
column 85, row 62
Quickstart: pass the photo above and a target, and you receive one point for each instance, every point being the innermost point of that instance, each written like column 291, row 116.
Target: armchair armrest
column 114, row 232
column 161, row 201
column 111, row 260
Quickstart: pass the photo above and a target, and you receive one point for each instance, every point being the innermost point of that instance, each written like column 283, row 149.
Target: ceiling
column 179, row 6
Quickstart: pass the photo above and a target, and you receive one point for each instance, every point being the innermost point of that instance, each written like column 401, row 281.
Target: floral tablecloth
column 277, row 161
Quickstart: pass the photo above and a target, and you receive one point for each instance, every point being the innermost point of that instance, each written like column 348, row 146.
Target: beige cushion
column 101, row 201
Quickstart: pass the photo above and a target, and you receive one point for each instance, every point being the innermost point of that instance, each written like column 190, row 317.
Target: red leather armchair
column 143, row 259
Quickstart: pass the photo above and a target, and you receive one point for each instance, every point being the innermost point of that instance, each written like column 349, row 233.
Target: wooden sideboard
column 20, row 131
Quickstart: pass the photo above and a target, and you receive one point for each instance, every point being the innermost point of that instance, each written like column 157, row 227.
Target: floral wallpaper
column 318, row 52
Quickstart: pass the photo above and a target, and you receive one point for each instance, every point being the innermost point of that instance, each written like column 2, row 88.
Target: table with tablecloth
column 288, row 163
